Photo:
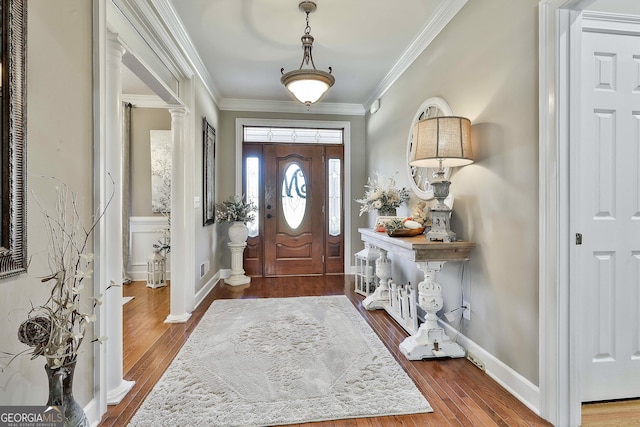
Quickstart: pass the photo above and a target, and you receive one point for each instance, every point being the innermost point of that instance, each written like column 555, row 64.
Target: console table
column 429, row 340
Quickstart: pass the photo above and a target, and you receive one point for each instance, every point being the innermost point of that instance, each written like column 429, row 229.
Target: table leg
column 380, row 296
column 430, row 340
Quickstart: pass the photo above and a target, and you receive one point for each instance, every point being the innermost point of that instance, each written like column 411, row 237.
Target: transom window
column 293, row 135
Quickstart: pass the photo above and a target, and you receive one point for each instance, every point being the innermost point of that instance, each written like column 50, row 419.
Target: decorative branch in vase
column 56, row 329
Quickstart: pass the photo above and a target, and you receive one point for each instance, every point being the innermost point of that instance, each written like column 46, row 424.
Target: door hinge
column 323, row 259
column 578, row 238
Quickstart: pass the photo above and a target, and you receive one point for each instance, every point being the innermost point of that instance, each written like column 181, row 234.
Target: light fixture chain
column 307, row 29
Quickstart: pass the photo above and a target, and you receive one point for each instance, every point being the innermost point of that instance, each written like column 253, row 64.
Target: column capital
column 178, row 111
column 115, row 47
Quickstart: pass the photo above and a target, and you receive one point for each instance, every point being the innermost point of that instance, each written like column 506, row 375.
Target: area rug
column 274, row 361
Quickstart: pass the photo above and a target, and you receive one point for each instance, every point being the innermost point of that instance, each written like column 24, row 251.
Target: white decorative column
column 179, row 272
column 430, row 340
column 380, row 296
column 237, row 276
column 111, row 260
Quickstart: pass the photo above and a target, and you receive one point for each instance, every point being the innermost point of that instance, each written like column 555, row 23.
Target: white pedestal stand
column 237, row 277
column 380, row 296
column 430, row 340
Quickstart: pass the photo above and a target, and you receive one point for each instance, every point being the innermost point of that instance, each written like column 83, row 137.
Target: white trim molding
column 520, row 387
column 557, row 396
column 144, row 231
column 208, row 287
column 345, row 125
column 445, row 13
column 258, row 105
column 558, row 356
column 169, row 16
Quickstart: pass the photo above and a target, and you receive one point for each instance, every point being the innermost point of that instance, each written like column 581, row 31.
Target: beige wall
column 142, row 121
column 205, row 236
column 484, row 64
column 227, row 165
column 59, row 144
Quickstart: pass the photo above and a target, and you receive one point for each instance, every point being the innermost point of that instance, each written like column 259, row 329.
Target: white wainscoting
column 144, row 231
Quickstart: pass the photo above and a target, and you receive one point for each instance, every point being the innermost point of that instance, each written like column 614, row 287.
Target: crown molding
column 144, row 20
column 443, row 15
column 169, row 16
column 259, row 105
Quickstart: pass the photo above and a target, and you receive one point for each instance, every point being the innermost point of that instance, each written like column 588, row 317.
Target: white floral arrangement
column 235, row 209
column 382, row 194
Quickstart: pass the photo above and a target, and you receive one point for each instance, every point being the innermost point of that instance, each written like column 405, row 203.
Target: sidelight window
column 335, row 196
column 252, row 190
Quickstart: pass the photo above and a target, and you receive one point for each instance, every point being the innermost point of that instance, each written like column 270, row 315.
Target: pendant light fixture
column 307, row 85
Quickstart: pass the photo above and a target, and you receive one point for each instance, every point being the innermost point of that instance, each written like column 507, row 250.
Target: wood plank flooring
column 460, row 394
column 622, row 413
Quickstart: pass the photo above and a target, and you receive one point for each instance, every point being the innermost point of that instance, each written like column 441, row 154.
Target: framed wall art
column 13, row 117
column 209, row 172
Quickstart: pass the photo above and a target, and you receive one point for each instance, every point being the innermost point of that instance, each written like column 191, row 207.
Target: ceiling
column 243, row 44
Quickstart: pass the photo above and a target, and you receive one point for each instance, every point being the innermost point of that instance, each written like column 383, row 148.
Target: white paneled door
column 605, row 194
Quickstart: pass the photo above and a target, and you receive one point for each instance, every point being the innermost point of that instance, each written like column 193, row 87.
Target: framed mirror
column 13, row 256
column 420, row 178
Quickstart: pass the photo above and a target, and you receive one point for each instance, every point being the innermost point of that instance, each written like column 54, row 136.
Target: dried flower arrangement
column 56, row 328
column 382, row 195
column 235, row 209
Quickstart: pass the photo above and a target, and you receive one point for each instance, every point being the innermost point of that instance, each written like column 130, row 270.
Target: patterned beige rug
column 273, row 361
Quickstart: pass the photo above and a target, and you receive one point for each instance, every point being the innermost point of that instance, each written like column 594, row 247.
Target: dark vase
column 61, row 394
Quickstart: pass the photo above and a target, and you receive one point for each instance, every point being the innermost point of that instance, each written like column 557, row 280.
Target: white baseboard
column 208, row 287
column 520, row 387
column 141, row 276
column 91, row 411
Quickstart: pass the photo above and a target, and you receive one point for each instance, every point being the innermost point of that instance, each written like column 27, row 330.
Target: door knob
column 268, row 206
column 268, row 215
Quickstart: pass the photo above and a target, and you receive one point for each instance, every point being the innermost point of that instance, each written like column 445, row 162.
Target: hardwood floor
column 622, row 413
column 460, row 394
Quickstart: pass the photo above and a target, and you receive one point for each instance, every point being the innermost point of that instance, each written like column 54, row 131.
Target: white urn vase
column 238, row 232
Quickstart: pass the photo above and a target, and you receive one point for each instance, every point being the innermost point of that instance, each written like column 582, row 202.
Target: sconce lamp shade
column 307, row 85
column 441, row 142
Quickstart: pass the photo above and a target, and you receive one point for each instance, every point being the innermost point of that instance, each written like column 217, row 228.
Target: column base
column 237, row 280
column 177, row 318
column 116, row 395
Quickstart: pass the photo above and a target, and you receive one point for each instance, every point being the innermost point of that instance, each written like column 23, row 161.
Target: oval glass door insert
column 294, row 195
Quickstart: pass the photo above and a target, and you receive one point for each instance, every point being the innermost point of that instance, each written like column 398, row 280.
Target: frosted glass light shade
column 441, row 141
column 307, row 85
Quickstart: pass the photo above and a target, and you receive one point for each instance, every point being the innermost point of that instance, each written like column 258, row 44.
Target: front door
column 605, row 188
column 293, row 210
column 298, row 188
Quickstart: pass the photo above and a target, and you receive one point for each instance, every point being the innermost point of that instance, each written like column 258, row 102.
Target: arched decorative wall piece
column 420, row 178
column 13, row 256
